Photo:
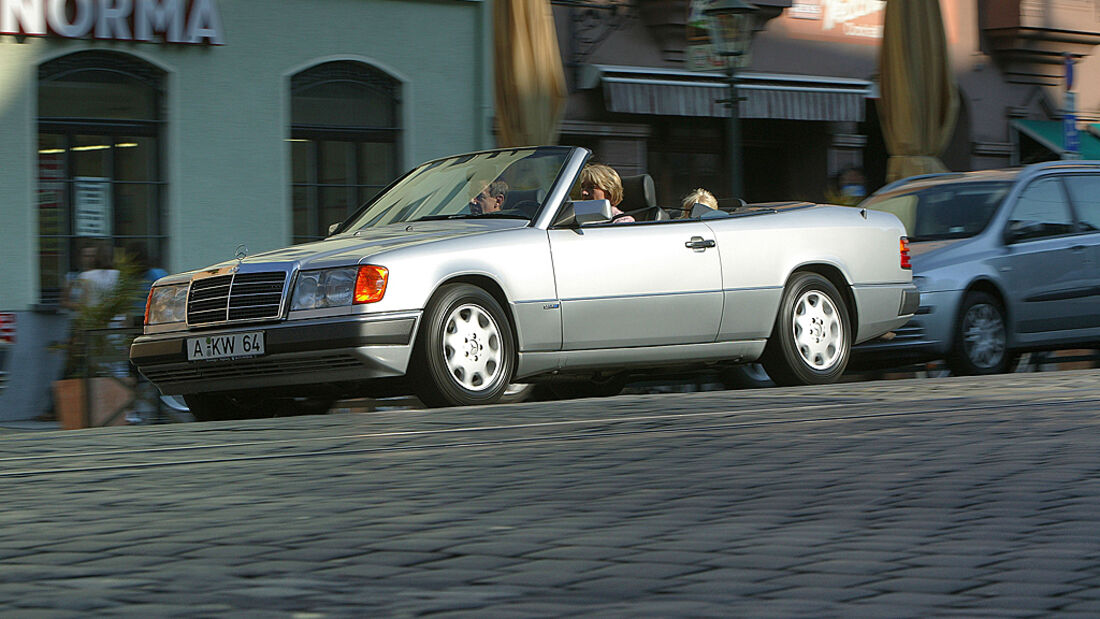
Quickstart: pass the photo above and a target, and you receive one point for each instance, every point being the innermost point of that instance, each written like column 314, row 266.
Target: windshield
column 947, row 211
column 508, row 184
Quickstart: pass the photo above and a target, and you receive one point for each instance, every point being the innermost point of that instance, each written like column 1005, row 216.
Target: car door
column 637, row 284
column 1043, row 266
column 1084, row 195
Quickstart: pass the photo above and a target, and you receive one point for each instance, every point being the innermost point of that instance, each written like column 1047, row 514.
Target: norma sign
column 153, row 21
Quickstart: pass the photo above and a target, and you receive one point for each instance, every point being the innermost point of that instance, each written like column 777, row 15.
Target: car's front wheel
column 981, row 338
column 812, row 338
column 464, row 353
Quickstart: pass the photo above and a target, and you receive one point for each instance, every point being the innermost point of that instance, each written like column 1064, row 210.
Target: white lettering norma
column 152, row 21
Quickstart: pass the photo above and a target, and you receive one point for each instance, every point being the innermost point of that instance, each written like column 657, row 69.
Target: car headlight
column 339, row 287
column 166, row 304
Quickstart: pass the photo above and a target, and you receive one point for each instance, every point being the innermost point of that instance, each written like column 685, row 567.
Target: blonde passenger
column 699, row 196
column 601, row 182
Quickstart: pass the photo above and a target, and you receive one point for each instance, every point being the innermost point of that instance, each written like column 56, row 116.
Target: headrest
column 638, row 192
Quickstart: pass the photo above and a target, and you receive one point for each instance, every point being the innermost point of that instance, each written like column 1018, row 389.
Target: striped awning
column 669, row 92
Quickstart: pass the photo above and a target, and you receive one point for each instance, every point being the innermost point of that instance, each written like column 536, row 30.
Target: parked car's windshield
column 947, row 211
column 508, row 184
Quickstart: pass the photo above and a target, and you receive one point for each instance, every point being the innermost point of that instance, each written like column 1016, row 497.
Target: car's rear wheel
column 981, row 338
column 465, row 353
column 812, row 338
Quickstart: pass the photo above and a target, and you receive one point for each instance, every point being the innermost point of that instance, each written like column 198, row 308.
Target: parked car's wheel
column 981, row 338
column 220, row 407
column 812, row 338
column 464, row 352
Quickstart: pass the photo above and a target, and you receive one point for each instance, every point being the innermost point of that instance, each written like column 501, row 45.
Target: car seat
column 640, row 199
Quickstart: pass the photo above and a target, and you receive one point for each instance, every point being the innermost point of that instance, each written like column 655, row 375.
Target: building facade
column 184, row 129
column 644, row 98
column 189, row 128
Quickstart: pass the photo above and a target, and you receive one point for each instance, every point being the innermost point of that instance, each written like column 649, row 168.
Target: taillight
column 903, row 245
column 370, row 284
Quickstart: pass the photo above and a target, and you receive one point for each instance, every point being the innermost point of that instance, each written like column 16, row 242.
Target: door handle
column 697, row 243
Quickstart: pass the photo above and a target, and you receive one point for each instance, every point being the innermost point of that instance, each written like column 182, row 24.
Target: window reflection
column 99, row 180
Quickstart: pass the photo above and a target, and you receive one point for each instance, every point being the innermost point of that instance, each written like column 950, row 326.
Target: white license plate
column 225, row 346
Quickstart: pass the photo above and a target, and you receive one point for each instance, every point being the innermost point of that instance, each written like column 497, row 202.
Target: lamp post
column 730, row 23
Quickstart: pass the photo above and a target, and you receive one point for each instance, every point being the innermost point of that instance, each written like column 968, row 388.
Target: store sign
column 153, row 21
column 858, row 19
column 93, row 206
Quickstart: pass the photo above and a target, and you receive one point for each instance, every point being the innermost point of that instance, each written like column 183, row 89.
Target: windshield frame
column 563, row 178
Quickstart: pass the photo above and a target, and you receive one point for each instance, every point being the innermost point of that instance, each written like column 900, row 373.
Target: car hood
column 350, row 249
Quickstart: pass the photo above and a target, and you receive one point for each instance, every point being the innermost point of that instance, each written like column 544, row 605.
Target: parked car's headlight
column 166, row 304
column 339, row 287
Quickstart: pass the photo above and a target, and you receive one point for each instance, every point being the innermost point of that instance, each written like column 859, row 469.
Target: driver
column 601, row 182
column 490, row 198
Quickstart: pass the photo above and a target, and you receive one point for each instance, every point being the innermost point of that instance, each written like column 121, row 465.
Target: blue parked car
column 1005, row 260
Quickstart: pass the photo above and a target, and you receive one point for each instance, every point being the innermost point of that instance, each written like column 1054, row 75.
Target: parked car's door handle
column 1077, row 249
column 697, row 242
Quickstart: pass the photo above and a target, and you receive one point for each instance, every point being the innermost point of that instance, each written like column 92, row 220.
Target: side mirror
column 592, row 211
column 333, row 227
column 1019, row 230
column 581, row 212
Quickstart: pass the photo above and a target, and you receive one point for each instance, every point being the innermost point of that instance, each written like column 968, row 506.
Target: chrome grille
column 239, row 297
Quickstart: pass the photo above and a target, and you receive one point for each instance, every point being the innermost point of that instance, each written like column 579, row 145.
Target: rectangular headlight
column 324, row 288
column 167, row 304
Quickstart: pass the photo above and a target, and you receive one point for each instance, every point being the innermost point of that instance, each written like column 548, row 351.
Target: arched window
column 345, row 131
column 99, row 161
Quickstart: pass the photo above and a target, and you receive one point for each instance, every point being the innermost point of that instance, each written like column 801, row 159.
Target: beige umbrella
column 918, row 95
column 530, row 84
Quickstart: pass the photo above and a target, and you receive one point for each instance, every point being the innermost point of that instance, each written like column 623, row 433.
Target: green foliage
column 97, row 337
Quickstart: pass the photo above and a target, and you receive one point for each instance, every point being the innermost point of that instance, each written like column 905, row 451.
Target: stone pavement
column 940, row 497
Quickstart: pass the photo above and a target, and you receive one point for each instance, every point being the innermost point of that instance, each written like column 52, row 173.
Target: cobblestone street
column 954, row 496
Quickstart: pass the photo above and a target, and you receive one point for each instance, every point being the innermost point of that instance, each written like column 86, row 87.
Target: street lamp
column 730, row 24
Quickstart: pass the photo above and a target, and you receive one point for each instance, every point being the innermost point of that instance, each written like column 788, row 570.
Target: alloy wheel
column 472, row 347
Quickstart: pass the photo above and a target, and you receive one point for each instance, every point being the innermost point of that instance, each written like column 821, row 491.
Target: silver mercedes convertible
column 477, row 271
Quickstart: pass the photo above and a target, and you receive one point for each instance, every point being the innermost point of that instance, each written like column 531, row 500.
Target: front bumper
column 318, row 351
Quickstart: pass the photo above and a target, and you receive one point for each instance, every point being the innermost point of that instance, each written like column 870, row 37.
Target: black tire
column 811, row 341
column 980, row 344
column 465, row 352
column 221, row 407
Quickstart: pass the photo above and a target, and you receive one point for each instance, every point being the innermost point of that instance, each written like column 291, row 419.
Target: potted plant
column 97, row 386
